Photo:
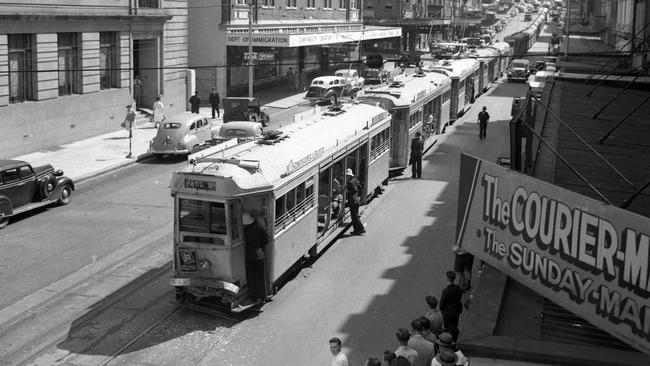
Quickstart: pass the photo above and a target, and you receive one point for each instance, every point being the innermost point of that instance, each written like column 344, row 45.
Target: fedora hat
column 445, row 339
column 447, row 358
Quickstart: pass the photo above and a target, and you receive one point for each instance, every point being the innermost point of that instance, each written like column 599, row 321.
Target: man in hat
column 483, row 118
column 447, row 345
column 129, row 120
column 417, row 148
column 451, row 301
column 215, row 100
column 445, row 357
column 255, row 238
column 354, row 200
column 195, row 102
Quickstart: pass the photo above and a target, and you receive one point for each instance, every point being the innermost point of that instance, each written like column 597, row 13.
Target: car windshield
column 171, row 126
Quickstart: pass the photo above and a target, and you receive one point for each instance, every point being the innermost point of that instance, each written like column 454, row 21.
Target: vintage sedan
column 330, row 89
column 23, row 188
column 181, row 134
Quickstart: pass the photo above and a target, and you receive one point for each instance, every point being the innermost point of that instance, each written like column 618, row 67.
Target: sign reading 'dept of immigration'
column 589, row 257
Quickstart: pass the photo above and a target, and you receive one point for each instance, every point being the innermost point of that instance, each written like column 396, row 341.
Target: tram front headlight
column 205, row 266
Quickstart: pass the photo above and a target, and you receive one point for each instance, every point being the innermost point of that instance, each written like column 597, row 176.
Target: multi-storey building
column 67, row 66
column 309, row 35
column 424, row 20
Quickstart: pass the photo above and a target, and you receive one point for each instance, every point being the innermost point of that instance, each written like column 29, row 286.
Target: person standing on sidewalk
column 434, row 316
column 423, row 347
column 137, row 90
column 354, row 200
column 129, row 120
column 302, row 78
column 451, row 301
column 483, row 118
column 195, row 102
column 158, row 111
column 340, row 359
column 215, row 100
column 417, row 148
column 291, row 80
column 403, row 350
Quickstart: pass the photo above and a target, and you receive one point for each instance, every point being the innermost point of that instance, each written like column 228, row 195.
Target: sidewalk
column 84, row 159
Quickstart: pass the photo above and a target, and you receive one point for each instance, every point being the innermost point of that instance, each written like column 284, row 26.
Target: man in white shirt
column 340, row 359
column 404, row 350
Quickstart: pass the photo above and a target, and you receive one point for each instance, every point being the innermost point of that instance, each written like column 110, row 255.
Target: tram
column 419, row 102
column 464, row 75
column 488, row 58
column 291, row 182
column 505, row 55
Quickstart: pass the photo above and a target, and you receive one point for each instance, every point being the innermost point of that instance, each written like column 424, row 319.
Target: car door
column 12, row 187
column 28, row 180
column 205, row 134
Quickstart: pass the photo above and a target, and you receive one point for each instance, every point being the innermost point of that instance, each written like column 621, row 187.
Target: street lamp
column 250, row 4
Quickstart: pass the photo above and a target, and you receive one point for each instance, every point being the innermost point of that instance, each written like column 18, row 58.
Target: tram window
column 300, row 193
column 202, row 216
column 291, row 199
column 279, row 207
column 234, row 221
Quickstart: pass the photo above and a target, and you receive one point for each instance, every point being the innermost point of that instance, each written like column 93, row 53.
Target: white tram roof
column 405, row 89
column 456, row 67
column 257, row 166
column 501, row 46
column 484, row 53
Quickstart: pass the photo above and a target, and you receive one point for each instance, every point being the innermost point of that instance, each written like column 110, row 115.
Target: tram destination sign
column 587, row 256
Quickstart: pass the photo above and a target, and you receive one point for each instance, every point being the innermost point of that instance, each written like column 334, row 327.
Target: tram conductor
column 353, row 188
column 255, row 239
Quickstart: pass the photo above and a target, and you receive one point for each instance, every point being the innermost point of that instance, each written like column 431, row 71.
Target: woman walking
column 158, row 111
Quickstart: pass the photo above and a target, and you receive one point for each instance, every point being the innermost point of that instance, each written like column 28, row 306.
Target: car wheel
column 65, row 195
column 332, row 99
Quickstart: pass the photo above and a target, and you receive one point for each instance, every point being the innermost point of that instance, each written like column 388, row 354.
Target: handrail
column 584, row 142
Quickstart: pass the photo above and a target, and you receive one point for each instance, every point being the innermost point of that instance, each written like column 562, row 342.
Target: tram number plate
column 180, row 281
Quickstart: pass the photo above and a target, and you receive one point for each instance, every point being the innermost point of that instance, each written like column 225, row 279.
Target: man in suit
column 451, row 301
column 354, row 200
column 417, row 148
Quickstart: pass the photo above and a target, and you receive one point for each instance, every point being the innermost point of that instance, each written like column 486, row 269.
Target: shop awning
column 301, row 36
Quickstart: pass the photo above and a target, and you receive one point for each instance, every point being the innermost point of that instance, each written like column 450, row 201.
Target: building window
column 327, row 4
column 268, row 3
column 353, row 4
column 311, row 3
column 341, row 4
column 109, row 69
column 148, row 4
column 291, row 3
column 21, row 68
column 69, row 72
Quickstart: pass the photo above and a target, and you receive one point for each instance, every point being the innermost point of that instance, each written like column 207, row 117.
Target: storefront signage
column 295, row 165
column 589, row 257
column 200, row 184
column 310, row 39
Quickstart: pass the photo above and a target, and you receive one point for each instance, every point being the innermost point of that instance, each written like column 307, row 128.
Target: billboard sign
column 587, row 256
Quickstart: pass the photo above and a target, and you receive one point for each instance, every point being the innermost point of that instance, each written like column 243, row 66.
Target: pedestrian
column 129, row 119
column 340, row 359
column 403, row 349
column 434, row 316
column 195, row 102
column 354, row 200
column 424, row 348
column 463, row 263
column 158, row 111
column 451, row 301
column 215, row 100
column 483, row 118
column 255, row 239
column 445, row 358
column 389, row 358
column 417, row 148
column 448, row 345
column 426, row 331
column 137, row 90
column 303, row 80
column 291, row 79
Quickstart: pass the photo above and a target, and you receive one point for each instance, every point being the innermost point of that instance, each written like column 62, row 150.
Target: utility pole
column 250, row 4
column 568, row 27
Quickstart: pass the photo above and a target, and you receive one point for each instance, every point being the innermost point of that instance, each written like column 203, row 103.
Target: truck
column 244, row 109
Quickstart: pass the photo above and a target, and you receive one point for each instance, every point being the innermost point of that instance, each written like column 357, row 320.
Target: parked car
column 242, row 130
column 181, row 134
column 23, row 188
column 536, row 85
column 519, row 70
column 351, row 77
column 329, row 89
column 244, row 109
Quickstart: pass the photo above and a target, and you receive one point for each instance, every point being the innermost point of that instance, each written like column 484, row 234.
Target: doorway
column 146, row 66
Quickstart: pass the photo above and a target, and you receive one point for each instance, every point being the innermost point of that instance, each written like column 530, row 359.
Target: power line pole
column 250, row 4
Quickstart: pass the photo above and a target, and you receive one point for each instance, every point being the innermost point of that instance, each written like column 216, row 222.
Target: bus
column 419, row 103
column 291, row 182
column 464, row 75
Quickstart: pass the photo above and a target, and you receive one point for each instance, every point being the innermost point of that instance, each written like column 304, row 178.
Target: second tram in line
column 292, row 184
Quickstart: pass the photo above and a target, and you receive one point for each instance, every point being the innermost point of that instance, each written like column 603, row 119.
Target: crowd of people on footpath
column 297, row 82
column 432, row 338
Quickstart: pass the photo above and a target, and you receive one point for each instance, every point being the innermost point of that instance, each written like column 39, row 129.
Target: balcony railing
column 148, row 3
